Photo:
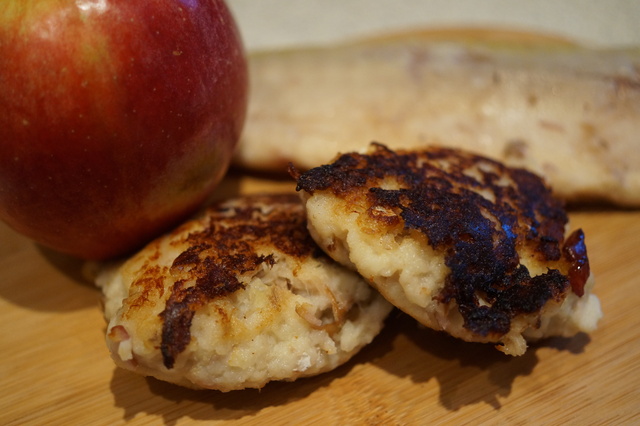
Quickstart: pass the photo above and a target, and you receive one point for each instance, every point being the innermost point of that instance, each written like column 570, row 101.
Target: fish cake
column 236, row 298
column 460, row 242
column 566, row 112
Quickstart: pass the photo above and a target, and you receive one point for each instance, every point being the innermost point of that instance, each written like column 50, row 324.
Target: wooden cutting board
column 55, row 369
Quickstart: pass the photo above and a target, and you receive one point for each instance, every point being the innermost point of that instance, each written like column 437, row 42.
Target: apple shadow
column 71, row 267
column 45, row 280
column 138, row 395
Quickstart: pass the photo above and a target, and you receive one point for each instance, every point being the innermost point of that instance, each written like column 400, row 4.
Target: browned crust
column 480, row 238
column 236, row 241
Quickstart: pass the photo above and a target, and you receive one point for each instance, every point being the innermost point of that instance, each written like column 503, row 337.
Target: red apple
column 117, row 117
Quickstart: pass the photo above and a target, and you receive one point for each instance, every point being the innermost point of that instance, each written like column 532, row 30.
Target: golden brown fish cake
column 460, row 242
column 237, row 298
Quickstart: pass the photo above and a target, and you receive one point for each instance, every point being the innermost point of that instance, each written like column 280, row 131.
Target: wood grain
column 55, row 368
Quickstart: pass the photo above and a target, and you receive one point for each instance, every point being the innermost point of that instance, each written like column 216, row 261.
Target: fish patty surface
column 459, row 241
column 236, row 298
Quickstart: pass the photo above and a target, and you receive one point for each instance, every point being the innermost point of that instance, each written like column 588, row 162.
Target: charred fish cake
column 460, row 242
column 236, row 298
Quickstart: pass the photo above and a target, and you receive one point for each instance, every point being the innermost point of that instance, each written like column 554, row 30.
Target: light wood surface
column 55, row 369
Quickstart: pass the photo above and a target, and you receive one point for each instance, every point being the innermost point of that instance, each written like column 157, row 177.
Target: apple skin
column 118, row 118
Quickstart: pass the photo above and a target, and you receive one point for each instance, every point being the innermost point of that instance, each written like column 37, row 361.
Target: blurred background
column 269, row 24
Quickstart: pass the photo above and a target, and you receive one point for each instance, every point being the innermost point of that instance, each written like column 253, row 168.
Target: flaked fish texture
column 568, row 113
column 462, row 243
column 236, row 298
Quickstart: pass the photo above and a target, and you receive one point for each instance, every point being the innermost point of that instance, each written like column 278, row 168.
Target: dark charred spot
column 474, row 210
column 353, row 168
column 225, row 250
